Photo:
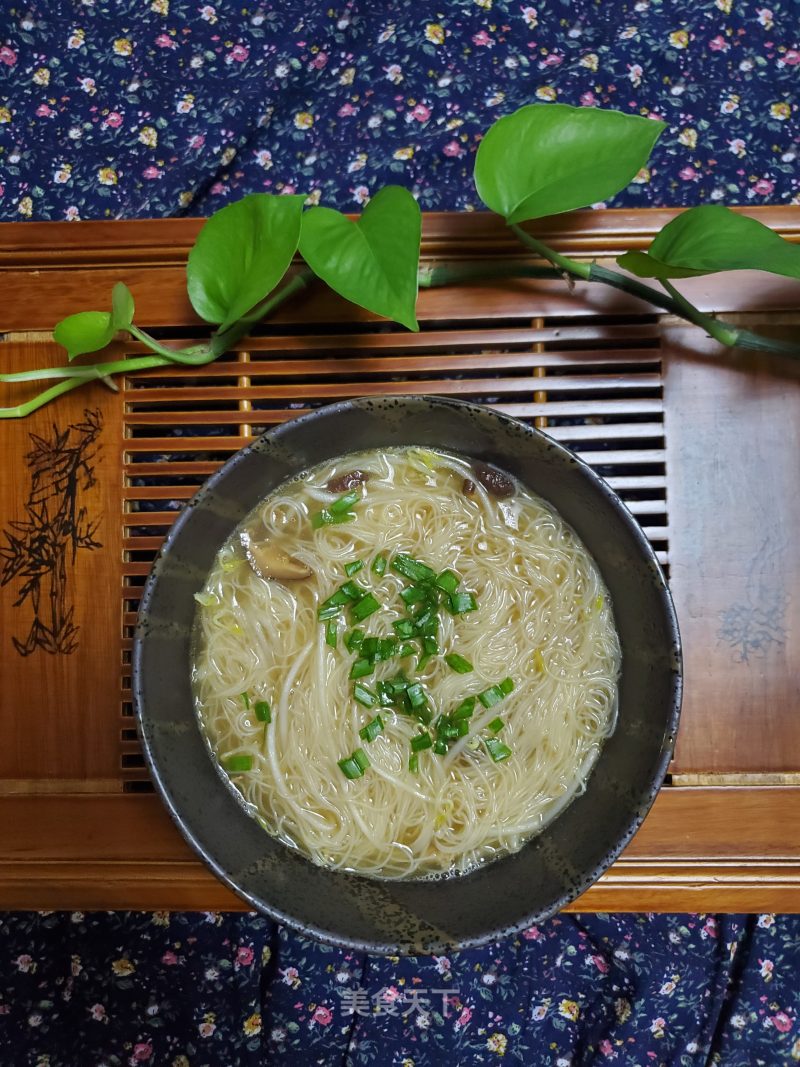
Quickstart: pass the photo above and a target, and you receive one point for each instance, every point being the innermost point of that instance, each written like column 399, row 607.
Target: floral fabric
column 220, row 990
column 168, row 107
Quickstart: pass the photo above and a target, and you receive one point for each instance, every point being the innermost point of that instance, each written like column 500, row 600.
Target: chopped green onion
column 507, row 686
column 446, row 730
column 416, row 695
column 364, row 696
column 328, row 518
column 353, row 591
column 238, row 764
column 365, row 607
column 385, row 695
column 353, row 568
column 406, row 649
column 379, row 565
column 361, row 760
column 414, row 594
column 496, row 749
column 350, row 769
column 263, row 711
column 344, row 503
column 461, row 603
column 369, row 647
column 403, row 628
column 413, row 569
column 431, row 646
column 464, row 709
column 329, row 612
column 361, row 668
column 496, row 725
column 399, row 684
column 458, row 663
column 462, row 727
column 246, row 700
column 440, row 747
column 423, row 661
column 491, row 696
column 372, row 729
column 353, row 640
column 421, row 741
column 448, row 581
column 331, row 634
column 413, row 762
column 338, row 599
column 387, row 647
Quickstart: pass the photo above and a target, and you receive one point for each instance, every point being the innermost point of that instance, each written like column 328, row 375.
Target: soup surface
column 405, row 663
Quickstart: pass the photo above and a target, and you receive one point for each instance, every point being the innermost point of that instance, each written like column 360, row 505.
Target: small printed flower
column 434, row 32
column 320, row 61
column 738, row 1022
column 76, row 39
column 635, row 74
column 588, row 100
column 322, row 1015
column 142, row 1052
column 185, row 104
column 642, row 176
column 8, row 56
column 533, row 933
column 98, row 1013
column 148, row 136
column 263, row 157
column 765, row 17
column 72, row 214
column 483, row 40
column 291, row 976
column 420, row 112
column 122, row 966
column 782, row 1022
column 497, row 1043
column 688, row 137
column 404, row 153
column 160, row 7
column 62, row 174
column 394, row 73
column 628, row 33
column 41, row 76
column 88, row 85
column 44, row 111
column 600, row 963
column 185, row 198
column 25, row 964
column 607, row 1049
column 361, row 194
column 452, row 148
column 668, row 988
column 790, row 58
column 767, row 967
column 244, row 955
column 485, row 4
column 657, row 1027
column 238, row 54
column 679, row 39
column 113, row 119
column 75, row 965
column 34, row 1020
column 622, row 1009
column 303, row 120
column 780, row 111
column 718, row 44
column 489, row 978
column 227, row 156
column 724, row 6
column 208, row 13
column 252, row 1024
column 765, row 921
column 589, row 60
column 738, row 147
column 206, row 1029
column 546, row 92
column 347, row 76
column 346, row 110
column 688, row 174
column 539, row 1012
column 463, row 1018
column 729, row 105
column 165, row 41
column 569, row 1010
column 123, row 46
column 531, row 16
column 763, row 187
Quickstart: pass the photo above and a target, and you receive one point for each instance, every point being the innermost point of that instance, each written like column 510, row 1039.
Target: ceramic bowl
column 416, row 916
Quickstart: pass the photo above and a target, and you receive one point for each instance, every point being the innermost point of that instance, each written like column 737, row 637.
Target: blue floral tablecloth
column 134, row 109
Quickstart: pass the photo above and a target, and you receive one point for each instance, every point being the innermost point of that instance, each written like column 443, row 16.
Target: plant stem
column 456, row 273
column 673, row 302
column 73, row 377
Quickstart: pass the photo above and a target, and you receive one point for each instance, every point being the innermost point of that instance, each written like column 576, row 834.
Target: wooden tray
column 702, row 445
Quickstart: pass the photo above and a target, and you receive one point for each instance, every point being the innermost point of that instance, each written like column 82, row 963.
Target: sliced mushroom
column 343, row 482
column 269, row 561
column 493, row 480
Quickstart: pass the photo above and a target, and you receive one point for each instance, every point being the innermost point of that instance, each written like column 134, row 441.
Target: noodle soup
column 405, row 663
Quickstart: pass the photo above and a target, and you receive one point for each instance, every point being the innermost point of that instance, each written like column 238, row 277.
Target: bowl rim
column 646, row 797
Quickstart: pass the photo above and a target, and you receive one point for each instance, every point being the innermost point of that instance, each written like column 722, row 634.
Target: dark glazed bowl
column 511, row 893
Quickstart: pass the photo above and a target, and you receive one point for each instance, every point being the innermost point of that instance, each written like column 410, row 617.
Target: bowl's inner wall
column 412, row 916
